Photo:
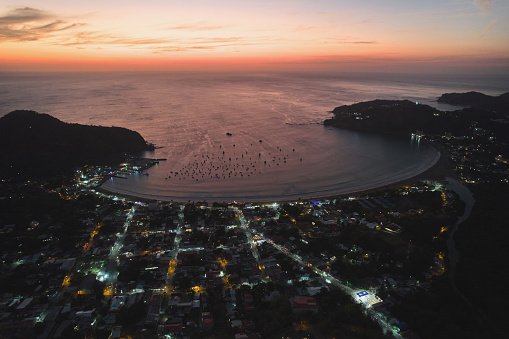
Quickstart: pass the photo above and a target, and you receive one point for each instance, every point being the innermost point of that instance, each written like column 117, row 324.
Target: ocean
column 243, row 136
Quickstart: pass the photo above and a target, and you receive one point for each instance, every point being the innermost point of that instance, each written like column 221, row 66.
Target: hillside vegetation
column 39, row 144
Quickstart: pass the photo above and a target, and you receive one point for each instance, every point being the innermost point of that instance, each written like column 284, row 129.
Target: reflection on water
column 277, row 148
column 307, row 161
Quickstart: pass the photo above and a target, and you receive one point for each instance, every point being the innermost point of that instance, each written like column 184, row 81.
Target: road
column 254, row 249
column 111, row 267
column 172, row 265
column 119, row 243
column 386, row 327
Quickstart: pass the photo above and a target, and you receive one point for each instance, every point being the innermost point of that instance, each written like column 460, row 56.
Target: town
column 79, row 262
column 241, row 270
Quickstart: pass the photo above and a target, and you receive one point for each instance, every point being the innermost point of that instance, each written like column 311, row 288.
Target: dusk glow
column 253, row 169
column 264, row 35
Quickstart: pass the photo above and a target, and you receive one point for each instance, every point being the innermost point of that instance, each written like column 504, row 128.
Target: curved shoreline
column 439, row 168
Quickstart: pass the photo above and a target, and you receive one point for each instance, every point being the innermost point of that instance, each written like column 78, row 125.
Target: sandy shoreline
column 440, row 169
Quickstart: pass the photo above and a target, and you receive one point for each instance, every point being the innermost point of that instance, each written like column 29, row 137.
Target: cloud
column 26, row 24
column 487, row 29
column 483, row 5
column 353, row 40
column 23, row 15
column 160, row 45
column 307, row 28
column 196, row 27
column 366, row 21
column 30, row 24
column 201, row 43
column 490, row 25
column 363, row 42
column 98, row 38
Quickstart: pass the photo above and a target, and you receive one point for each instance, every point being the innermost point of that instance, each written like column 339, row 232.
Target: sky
column 221, row 35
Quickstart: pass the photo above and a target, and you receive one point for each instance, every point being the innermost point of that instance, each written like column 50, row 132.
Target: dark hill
column 477, row 100
column 394, row 116
column 404, row 117
column 39, row 144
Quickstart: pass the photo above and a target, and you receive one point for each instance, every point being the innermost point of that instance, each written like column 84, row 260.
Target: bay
column 277, row 150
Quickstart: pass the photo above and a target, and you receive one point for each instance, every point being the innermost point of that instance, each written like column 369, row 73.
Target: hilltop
column 38, row 144
column 476, row 99
column 404, row 117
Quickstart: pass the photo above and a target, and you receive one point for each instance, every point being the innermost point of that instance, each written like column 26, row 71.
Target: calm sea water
column 277, row 150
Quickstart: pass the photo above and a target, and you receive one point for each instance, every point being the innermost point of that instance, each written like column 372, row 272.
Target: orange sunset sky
column 370, row 35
